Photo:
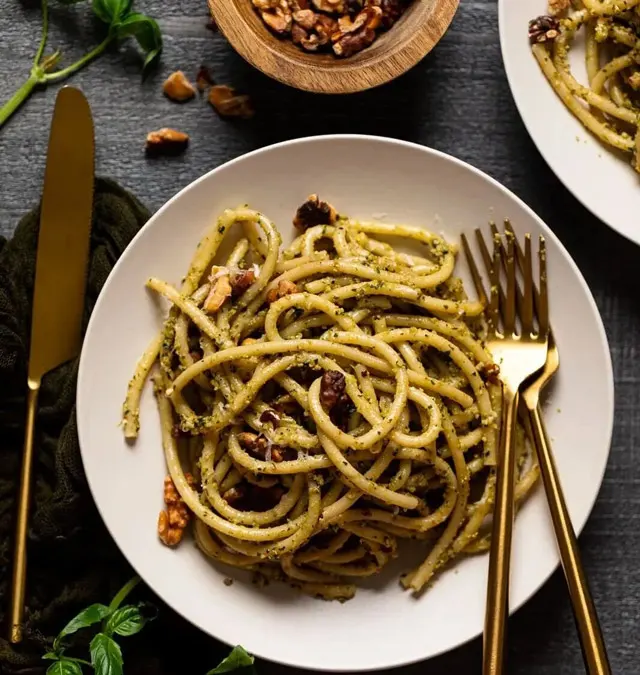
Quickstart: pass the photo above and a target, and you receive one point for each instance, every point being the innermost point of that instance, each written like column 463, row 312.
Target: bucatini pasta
column 608, row 104
column 322, row 402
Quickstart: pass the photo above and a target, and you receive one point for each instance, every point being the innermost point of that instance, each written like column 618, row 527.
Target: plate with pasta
column 301, row 412
column 573, row 71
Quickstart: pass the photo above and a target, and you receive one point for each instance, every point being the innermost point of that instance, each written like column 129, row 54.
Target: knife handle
column 19, row 578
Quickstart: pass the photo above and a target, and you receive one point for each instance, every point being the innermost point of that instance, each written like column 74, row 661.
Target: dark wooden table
column 458, row 101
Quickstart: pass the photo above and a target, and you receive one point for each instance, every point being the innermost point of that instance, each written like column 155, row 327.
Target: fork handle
column 586, row 617
column 497, row 608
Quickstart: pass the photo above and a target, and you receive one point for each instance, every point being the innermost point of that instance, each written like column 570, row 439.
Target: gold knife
column 58, row 296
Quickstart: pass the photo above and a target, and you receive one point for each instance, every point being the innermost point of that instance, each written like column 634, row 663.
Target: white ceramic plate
column 383, row 626
column 600, row 178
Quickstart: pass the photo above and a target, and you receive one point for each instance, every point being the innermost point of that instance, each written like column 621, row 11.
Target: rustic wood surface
column 456, row 100
column 391, row 55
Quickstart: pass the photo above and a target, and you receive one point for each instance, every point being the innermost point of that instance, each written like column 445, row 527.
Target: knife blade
column 59, row 287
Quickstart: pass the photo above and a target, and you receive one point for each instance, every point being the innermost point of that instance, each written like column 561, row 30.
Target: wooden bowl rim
column 343, row 77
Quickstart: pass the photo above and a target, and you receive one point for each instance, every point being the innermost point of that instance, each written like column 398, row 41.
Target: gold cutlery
column 591, row 640
column 58, row 296
column 519, row 355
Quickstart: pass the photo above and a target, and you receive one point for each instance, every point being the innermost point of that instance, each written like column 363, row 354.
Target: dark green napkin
column 72, row 560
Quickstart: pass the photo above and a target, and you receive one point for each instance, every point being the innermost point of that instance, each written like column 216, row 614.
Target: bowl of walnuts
column 333, row 46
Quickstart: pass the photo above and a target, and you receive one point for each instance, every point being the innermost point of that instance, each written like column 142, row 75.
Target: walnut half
column 175, row 518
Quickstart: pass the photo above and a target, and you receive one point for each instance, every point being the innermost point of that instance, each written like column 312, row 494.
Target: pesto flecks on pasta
column 608, row 104
column 320, row 403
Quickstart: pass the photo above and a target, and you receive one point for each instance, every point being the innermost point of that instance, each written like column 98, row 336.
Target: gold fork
column 520, row 354
column 591, row 640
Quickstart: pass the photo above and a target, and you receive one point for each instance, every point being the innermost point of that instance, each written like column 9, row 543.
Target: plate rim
column 366, row 138
column 511, row 73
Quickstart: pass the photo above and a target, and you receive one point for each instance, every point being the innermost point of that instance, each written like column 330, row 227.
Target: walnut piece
column 330, row 6
column 241, row 281
column 543, row 29
column 174, row 519
column 491, row 372
column 260, row 447
column 220, row 289
column 332, row 388
column 314, row 212
column 229, row 104
column 283, row 288
column 166, row 142
column 270, row 416
column 178, row 88
column 352, row 43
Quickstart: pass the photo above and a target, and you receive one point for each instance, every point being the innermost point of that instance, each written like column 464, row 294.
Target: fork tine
column 526, row 308
column 543, row 300
column 520, row 257
column 509, row 311
column 494, row 282
column 475, row 274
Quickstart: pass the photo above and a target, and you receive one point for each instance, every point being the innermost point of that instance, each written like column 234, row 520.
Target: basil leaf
column 125, row 621
column 111, row 11
column 238, row 658
column 106, row 657
column 146, row 31
column 51, row 656
column 64, row 667
column 87, row 617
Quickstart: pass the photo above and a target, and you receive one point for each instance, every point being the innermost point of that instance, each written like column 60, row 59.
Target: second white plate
column 602, row 180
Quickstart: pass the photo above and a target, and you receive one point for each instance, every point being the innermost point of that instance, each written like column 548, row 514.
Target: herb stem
column 19, row 97
column 45, row 31
column 84, row 662
column 123, row 592
column 74, row 67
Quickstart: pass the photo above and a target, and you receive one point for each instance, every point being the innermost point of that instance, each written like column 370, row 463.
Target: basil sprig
column 122, row 23
column 116, row 620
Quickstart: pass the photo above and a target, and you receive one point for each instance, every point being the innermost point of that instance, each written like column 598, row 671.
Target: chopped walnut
column 212, row 25
column 313, row 24
column 229, row 104
column 314, row 212
column 352, row 43
column 490, row 371
column 166, row 142
column 557, row 7
column 175, row 518
column 203, row 79
column 330, row 6
column 220, row 289
column 332, row 388
column 270, row 416
column 178, row 88
column 283, row 288
column 260, row 447
column 241, row 281
column 543, row 29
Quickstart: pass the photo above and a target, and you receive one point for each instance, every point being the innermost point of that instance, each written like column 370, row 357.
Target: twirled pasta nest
column 329, row 399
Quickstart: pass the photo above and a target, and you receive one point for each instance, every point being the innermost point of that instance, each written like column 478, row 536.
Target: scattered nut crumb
column 557, row 7
column 203, row 79
column 229, row 104
column 178, row 88
column 166, row 142
column 283, row 288
column 228, row 581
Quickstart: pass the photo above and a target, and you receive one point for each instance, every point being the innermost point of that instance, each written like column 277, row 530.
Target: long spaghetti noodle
column 608, row 105
column 330, row 399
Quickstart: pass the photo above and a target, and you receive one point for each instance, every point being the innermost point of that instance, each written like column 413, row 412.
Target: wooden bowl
column 393, row 53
